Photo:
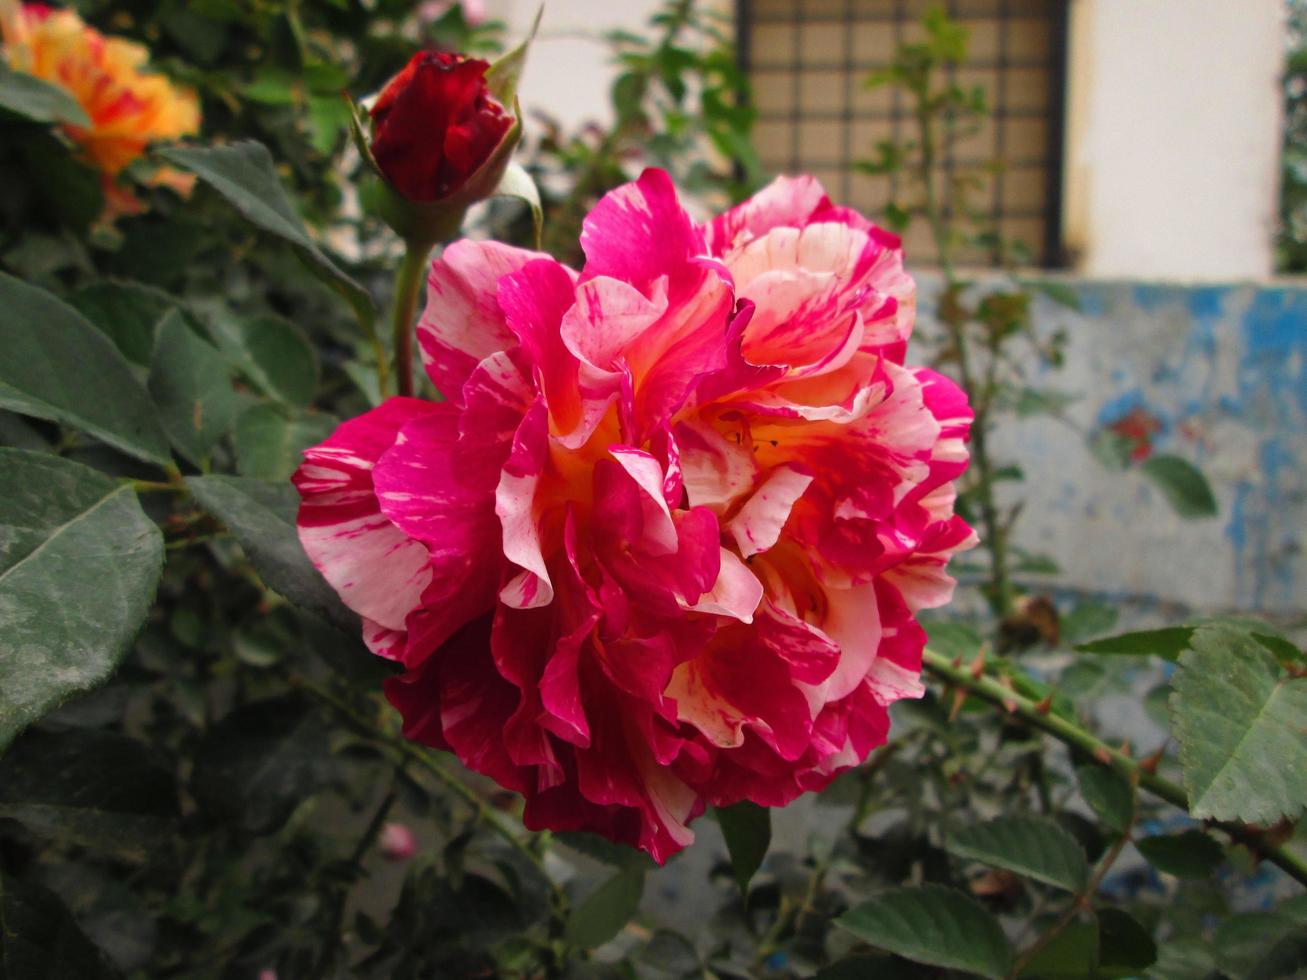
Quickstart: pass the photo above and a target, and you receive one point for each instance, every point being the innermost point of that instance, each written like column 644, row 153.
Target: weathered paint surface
column 1214, row 374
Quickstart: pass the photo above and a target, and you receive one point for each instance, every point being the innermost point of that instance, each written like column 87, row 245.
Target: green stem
column 408, row 283
column 1081, row 901
column 378, row 352
column 988, row 689
column 1000, row 585
column 155, row 486
column 333, row 936
column 485, row 813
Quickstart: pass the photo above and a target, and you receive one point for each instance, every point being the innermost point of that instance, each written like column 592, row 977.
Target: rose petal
column 378, row 570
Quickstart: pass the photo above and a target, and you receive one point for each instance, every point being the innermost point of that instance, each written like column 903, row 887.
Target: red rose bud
column 436, row 125
column 440, row 139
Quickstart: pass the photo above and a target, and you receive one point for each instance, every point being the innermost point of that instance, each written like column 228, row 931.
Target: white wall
column 569, row 71
column 1173, row 137
column 1173, row 126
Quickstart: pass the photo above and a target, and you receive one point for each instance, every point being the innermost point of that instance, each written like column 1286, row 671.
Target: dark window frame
column 1053, row 251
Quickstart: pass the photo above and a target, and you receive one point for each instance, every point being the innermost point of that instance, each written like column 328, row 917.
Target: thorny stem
column 988, row 689
column 332, row 941
column 1081, row 901
column 995, row 536
column 485, row 814
column 408, row 283
column 790, row 916
column 1084, row 896
column 378, row 353
column 155, row 486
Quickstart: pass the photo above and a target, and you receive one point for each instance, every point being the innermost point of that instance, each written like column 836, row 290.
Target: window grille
column 807, row 61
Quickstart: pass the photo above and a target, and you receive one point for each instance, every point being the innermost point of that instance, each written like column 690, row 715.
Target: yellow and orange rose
column 128, row 107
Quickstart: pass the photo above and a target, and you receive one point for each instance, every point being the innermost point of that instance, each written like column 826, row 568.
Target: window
column 807, row 60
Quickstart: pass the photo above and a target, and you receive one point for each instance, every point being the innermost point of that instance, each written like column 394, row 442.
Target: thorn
column 1125, row 748
column 1151, row 762
column 1103, row 755
column 1045, row 705
column 977, row 665
column 1009, row 703
column 959, row 699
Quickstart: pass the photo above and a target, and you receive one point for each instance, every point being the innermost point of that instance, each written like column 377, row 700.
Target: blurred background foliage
column 1293, row 188
column 217, row 809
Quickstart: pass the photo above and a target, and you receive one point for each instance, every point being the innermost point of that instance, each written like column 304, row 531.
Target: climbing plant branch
column 974, row 681
column 485, row 814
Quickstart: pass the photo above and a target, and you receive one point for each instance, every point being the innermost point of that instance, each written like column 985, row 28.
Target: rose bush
column 664, row 543
column 662, row 546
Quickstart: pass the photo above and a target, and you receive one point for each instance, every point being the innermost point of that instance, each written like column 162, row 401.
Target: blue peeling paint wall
column 1214, row 374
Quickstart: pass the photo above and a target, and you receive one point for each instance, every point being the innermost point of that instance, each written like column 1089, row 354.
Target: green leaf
column 1125, row 948
column 262, row 517
column 328, row 117
column 203, row 38
column 273, row 86
column 71, row 190
column 1283, row 650
column 1244, row 941
column 1287, row 958
column 1034, row 847
column 55, row 365
column 670, row 952
column 272, row 353
column 506, row 71
column 1183, row 485
column 128, row 313
column 601, row 848
column 1166, row 643
column 935, row 925
column 79, row 564
column 40, row 938
column 1036, row 565
column 954, row 640
column 269, row 441
column 95, row 789
column 1111, row 450
column 1083, row 679
column 1190, row 854
column 191, row 387
column 1059, row 292
column 1070, row 955
column 607, row 909
column 1239, row 721
column 1183, row 959
column 518, row 183
column 896, row 217
column 246, row 176
column 747, row 829
column 1108, row 795
column 38, row 100
column 865, row 967
column 1035, row 401
column 261, row 761
column 1087, row 618
column 17, row 432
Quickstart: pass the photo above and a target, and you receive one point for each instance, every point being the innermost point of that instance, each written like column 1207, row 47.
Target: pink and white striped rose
column 664, row 544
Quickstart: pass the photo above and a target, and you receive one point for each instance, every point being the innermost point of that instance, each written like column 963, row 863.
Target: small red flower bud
column 435, row 124
column 397, row 842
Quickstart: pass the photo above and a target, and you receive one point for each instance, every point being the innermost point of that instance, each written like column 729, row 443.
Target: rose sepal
column 506, row 71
